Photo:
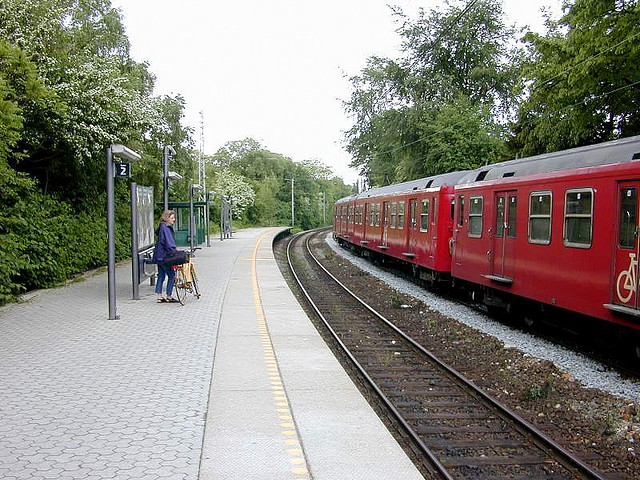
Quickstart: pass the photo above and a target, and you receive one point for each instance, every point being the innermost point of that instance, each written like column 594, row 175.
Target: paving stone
column 84, row 397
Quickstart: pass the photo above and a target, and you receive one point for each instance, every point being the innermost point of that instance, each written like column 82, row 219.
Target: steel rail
column 544, row 441
column 398, row 416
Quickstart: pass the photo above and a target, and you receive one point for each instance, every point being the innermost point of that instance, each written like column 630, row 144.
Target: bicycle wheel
column 194, row 283
column 180, row 286
column 625, row 280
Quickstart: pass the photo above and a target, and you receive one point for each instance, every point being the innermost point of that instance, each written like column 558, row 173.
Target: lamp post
column 170, row 177
column 119, row 151
column 192, row 223
column 166, row 152
column 292, row 203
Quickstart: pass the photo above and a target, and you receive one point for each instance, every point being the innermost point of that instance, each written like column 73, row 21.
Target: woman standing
column 165, row 245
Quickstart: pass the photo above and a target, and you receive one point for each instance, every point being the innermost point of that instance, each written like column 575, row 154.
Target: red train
column 556, row 230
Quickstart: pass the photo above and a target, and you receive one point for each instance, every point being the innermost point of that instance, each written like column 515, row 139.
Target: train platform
column 235, row 385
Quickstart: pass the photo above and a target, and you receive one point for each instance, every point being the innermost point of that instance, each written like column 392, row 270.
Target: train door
column 412, row 227
column 385, row 224
column 506, row 204
column 456, row 245
column 366, row 215
column 625, row 281
column 432, row 226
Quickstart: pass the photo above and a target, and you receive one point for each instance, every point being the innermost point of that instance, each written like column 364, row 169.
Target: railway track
column 569, row 331
column 458, row 430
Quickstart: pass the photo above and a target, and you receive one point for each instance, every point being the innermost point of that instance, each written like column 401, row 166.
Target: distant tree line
column 69, row 89
column 265, row 177
column 469, row 90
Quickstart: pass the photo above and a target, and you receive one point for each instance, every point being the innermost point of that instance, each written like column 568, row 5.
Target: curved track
column 459, row 431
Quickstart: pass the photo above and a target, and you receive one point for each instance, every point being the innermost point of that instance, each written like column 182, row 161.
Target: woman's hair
column 166, row 214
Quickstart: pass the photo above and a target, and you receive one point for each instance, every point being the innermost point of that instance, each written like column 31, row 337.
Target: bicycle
column 186, row 280
column 627, row 282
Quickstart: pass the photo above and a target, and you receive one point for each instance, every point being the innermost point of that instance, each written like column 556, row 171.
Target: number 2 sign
column 123, row 170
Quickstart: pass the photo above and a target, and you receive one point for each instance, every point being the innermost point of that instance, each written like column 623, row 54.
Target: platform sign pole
column 123, row 152
column 222, row 206
column 135, row 259
column 167, row 152
column 207, row 197
column 111, row 244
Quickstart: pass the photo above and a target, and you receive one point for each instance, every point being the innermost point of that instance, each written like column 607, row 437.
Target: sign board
column 144, row 198
column 123, row 170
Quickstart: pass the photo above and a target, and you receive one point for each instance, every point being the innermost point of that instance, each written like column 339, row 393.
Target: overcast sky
column 273, row 70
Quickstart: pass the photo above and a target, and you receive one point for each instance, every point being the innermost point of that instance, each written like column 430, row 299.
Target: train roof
column 616, row 151
column 405, row 187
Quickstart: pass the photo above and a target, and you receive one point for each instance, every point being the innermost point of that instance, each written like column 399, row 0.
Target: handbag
column 177, row 257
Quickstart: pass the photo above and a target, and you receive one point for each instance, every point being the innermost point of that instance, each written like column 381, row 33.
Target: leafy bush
column 44, row 241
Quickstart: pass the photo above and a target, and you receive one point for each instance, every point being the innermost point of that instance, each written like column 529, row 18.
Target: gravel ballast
column 575, row 400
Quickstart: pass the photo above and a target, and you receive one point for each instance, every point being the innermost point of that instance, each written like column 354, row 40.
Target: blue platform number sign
column 123, row 170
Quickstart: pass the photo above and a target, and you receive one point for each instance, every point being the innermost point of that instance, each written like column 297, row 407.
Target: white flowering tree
column 101, row 95
column 68, row 89
column 234, row 187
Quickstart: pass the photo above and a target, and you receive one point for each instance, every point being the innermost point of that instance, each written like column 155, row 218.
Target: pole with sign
column 119, row 151
column 123, row 170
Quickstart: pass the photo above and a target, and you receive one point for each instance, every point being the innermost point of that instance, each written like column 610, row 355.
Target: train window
column 460, row 210
column 453, row 208
column 394, row 213
column 424, row 216
column 578, row 209
column 540, row 217
column 475, row 216
column 400, row 215
column 512, row 209
column 433, row 210
column 500, row 216
column 628, row 217
column 413, row 211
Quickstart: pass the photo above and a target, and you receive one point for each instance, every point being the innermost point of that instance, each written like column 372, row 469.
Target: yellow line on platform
column 296, row 457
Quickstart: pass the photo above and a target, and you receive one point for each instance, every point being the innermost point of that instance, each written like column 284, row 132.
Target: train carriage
column 560, row 239
column 554, row 230
column 411, row 222
column 341, row 225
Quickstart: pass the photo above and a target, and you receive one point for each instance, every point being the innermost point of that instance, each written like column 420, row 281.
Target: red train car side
column 411, row 222
column 560, row 230
column 560, row 240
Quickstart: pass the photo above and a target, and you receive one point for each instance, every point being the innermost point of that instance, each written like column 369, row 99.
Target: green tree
column 68, row 89
column 81, row 53
column 452, row 58
column 235, row 150
column 584, row 78
column 270, row 174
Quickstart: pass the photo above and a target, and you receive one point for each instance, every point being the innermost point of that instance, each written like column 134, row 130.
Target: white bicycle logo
column 627, row 281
